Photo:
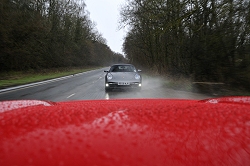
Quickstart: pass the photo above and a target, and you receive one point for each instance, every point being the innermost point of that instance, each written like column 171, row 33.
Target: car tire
column 107, row 89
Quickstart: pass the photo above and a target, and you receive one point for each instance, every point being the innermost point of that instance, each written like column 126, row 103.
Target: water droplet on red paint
column 104, row 155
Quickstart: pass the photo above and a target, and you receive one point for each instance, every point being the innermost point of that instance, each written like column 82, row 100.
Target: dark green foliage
column 37, row 34
column 208, row 40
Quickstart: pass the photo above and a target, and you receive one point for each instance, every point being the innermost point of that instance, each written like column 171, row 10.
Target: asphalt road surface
column 90, row 86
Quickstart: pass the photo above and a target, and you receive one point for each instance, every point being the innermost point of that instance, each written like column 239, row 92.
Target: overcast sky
column 105, row 13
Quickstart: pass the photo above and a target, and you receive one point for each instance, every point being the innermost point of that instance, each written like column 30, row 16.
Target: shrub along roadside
column 9, row 79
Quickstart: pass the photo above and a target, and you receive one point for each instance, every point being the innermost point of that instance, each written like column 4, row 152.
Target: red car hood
column 126, row 132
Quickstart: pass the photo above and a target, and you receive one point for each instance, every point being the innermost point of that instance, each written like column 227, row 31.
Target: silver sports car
column 123, row 76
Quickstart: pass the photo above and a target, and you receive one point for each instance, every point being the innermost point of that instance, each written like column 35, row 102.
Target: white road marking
column 107, row 96
column 15, row 88
column 71, row 95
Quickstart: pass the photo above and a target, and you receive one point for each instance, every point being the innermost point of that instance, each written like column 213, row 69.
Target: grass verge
column 179, row 84
column 184, row 84
column 9, row 79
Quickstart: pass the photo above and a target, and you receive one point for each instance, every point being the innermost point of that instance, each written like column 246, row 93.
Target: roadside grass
column 12, row 78
column 185, row 84
column 179, row 84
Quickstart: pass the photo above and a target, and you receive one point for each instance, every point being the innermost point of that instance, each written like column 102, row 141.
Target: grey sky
column 105, row 13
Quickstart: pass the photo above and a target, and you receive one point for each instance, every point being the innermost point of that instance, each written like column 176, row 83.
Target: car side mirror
column 139, row 70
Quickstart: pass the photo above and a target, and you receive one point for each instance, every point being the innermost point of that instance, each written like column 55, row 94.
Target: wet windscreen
column 123, row 68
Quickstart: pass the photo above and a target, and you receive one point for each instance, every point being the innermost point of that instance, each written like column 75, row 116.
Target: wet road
column 90, row 86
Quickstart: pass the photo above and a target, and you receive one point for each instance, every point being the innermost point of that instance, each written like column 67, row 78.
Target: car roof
column 122, row 64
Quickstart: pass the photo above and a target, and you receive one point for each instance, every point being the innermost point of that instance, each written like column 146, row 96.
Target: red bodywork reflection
column 147, row 132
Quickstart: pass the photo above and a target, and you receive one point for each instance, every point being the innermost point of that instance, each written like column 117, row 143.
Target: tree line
column 206, row 40
column 37, row 34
